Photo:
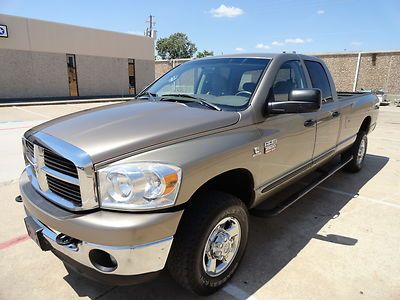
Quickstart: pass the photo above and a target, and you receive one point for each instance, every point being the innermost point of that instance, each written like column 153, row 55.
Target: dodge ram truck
column 168, row 180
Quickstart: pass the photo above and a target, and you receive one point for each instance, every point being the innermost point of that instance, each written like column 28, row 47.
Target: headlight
column 139, row 186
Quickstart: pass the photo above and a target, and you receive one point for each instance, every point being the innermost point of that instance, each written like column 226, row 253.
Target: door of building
column 72, row 75
column 131, row 74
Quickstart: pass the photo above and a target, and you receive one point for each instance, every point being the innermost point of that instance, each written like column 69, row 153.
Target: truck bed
column 342, row 96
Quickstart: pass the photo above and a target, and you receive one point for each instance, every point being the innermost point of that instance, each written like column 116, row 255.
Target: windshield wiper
column 148, row 94
column 197, row 99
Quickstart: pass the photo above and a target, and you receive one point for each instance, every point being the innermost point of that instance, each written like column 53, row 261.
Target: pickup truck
column 168, row 180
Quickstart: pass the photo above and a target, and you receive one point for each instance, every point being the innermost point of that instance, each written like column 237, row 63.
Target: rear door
column 328, row 117
column 288, row 140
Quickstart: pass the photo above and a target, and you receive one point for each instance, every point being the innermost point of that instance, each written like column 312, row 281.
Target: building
column 365, row 70
column 46, row 59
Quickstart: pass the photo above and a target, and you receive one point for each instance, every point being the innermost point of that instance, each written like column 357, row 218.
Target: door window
column 319, row 79
column 289, row 77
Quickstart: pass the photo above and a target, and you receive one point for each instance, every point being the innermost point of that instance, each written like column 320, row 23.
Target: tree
column 177, row 45
column 205, row 53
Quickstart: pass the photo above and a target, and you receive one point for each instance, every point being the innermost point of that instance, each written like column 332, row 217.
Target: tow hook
column 18, row 199
column 65, row 240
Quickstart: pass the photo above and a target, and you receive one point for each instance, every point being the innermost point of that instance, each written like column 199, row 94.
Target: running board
column 272, row 212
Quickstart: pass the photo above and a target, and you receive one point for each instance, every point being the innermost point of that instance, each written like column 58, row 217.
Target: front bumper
column 129, row 260
column 137, row 243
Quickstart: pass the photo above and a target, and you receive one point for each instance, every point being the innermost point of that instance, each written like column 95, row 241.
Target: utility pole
column 150, row 30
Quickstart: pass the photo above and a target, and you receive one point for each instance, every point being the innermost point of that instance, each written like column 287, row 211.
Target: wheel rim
column 361, row 151
column 222, row 246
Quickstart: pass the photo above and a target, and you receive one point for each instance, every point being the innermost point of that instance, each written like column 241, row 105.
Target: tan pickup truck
column 121, row 192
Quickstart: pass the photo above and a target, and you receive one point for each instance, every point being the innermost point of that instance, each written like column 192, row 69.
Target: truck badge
column 270, row 146
column 256, row 151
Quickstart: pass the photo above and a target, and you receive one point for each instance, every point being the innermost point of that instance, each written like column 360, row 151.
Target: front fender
column 205, row 157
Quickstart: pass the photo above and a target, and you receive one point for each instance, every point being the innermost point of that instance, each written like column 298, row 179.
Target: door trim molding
column 281, row 179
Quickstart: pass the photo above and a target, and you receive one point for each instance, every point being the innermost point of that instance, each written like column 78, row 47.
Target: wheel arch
column 365, row 125
column 238, row 182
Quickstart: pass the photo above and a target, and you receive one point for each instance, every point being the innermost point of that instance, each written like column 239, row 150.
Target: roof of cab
column 261, row 55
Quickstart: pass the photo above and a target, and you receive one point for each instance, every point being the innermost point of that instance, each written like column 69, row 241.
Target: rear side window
column 319, row 79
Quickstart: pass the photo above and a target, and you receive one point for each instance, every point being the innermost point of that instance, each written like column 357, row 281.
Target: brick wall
column 162, row 67
column 379, row 70
column 343, row 69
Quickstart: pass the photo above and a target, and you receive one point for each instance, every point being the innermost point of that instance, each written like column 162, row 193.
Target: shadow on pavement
column 273, row 242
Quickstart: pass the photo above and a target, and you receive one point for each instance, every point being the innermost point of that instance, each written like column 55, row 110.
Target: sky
column 234, row 26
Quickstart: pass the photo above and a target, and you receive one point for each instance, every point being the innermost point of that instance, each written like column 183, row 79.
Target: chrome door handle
column 310, row 123
column 335, row 114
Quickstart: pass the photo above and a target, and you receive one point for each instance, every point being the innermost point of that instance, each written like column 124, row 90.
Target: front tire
column 209, row 243
column 357, row 152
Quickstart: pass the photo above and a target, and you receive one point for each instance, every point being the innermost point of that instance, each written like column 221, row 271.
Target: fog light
column 102, row 260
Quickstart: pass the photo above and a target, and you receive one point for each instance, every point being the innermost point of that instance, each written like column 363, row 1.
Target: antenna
column 150, row 30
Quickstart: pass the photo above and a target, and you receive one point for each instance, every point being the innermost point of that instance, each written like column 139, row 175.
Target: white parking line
column 32, row 112
column 358, row 196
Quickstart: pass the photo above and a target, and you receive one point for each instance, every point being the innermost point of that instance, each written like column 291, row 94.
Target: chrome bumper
column 130, row 260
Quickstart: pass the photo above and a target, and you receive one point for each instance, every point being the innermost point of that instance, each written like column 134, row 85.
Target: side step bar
column 272, row 212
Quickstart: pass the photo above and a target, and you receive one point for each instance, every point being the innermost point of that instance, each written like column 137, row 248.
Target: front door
column 288, row 138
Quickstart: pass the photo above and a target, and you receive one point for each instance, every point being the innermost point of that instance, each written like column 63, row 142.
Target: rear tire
column 357, row 153
column 209, row 243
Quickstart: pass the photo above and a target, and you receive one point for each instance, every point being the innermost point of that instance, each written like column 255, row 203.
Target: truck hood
column 115, row 130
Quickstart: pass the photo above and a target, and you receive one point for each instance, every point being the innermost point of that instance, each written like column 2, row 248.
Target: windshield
column 227, row 83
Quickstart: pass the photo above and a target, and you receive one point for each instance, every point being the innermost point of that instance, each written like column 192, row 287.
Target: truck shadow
column 273, row 242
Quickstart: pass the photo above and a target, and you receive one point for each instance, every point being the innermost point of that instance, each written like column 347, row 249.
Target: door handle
column 310, row 123
column 335, row 114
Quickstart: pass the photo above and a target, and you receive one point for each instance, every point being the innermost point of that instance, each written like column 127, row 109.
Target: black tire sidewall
column 361, row 136
column 185, row 262
column 353, row 166
column 215, row 282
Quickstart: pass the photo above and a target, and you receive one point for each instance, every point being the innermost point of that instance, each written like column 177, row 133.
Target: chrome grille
column 29, row 150
column 59, row 163
column 60, row 172
column 64, row 189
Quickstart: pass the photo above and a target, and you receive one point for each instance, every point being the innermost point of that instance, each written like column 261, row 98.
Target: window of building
column 131, row 74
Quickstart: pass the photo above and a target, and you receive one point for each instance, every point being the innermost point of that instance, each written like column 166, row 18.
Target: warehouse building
column 46, row 59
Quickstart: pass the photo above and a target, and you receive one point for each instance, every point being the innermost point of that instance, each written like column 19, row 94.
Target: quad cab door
column 288, row 139
column 328, row 117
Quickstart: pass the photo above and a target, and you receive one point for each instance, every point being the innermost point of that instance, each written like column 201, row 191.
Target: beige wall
column 33, row 59
column 42, row 36
column 102, row 75
column 144, row 70
column 27, row 74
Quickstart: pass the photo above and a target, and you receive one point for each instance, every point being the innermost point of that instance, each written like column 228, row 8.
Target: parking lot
column 340, row 241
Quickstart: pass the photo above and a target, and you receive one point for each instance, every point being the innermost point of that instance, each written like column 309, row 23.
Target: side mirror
column 300, row 101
